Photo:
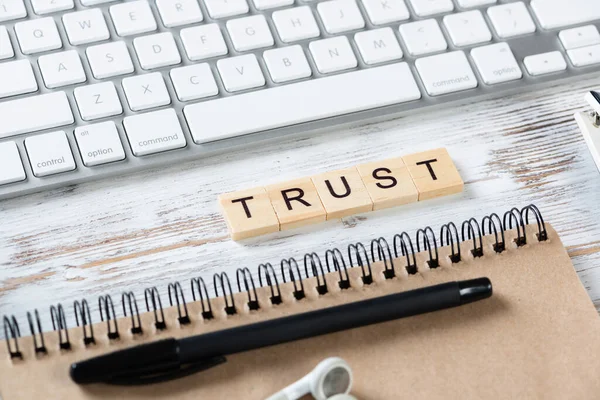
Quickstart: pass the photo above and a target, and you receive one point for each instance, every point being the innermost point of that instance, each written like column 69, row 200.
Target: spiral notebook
column 538, row 336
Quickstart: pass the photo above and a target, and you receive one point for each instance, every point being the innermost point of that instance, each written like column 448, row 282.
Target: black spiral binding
column 402, row 248
column 516, row 216
column 336, row 259
column 542, row 234
column 221, row 279
column 295, row 279
column 317, row 270
column 450, row 233
column 250, row 287
column 494, row 224
column 423, row 237
column 471, row 226
column 182, row 311
column 157, row 307
column 106, row 303
column 362, row 260
column 59, row 324
column 82, row 311
column 38, row 346
column 207, row 312
column 12, row 340
column 136, row 322
column 404, row 243
column 271, row 280
column 384, row 254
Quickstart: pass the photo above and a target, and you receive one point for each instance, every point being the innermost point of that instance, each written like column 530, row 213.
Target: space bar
column 301, row 102
column 35, row 113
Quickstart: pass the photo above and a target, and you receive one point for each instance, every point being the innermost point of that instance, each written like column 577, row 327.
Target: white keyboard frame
column 539, row 42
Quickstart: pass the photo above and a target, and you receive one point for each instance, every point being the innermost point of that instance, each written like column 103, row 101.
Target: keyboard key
column 110, row 59
column 97, row 101
column 133, row 18
column 85, row 27
column 240, row 73
column 154, row 132
column 579, row 37
column 146, row 91
column 584, row 56
column 6, row 49
column 42, row 7
column 386, row 11
column 99, row 144
column 424, row 8
column 156, row 51
column 296, row 24
column 333, row 54
column 16, row 77
column 89, row 3
column 423, row 37
column 250, row 33
column 474, row 3
column 560, row 13
column 496, row 63
column 467, row 28
column 11, row 10
column 49, row 153
column 179, row 12
column 38, row 35
column 34, row 114
column 455, row 76
column 11, row 167
column 378, row 45
column 546, row 63
column 301, row 102
column 511, row 19
column 226, row 8
column 268, row 4
column 340, row 16
column 61, row 69
column 201, row 42
column 287, row 64
column 194, row 82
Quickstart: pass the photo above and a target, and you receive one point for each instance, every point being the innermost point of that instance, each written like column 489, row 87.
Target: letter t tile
column 248, row 213
column 434, row 173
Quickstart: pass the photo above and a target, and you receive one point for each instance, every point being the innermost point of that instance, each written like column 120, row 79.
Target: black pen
column 172, row 358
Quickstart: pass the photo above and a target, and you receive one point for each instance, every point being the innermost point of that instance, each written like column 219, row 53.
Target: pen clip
column 184, row 370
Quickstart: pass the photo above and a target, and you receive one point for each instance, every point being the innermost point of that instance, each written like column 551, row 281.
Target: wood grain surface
column 165, row 225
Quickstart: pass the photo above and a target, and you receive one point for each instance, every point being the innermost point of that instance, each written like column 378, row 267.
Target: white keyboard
column 96, row 88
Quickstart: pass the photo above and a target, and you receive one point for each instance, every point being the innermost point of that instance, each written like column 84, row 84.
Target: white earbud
column 331, row 377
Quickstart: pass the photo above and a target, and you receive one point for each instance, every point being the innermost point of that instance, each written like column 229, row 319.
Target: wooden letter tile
column 342, row 193
column 388, row 182
column 296, row 203
column 434, row 173
column 248, row 213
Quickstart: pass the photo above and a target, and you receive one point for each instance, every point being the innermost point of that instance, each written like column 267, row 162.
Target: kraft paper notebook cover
column 537, row 337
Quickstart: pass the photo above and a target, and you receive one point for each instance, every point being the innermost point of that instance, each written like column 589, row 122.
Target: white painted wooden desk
column 164, row 225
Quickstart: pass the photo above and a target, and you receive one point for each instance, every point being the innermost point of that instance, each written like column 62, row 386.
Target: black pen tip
column 79, row 375
column 474, row 290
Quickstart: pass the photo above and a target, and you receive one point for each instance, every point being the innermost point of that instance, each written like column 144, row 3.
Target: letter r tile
column 434, row 173
column 342, row 193
column 248, row 213
column 296, row 203
column 388, row 182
